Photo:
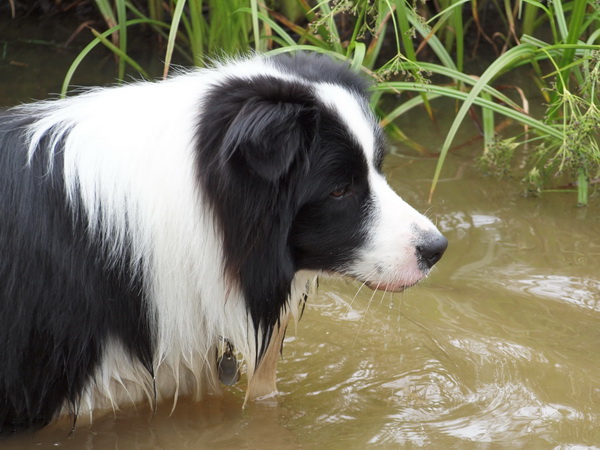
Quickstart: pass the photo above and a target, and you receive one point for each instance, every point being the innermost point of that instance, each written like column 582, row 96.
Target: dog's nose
column 431, row 249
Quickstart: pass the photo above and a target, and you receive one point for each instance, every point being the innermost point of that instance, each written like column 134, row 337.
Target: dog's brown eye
column 341, row 192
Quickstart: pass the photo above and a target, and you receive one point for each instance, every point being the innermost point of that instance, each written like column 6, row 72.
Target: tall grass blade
column 89, row 47
column 255, row 25
column 117, row 51
column 105, row 8
column 404, row 107
column 489, row 130
column 197, row 31
column 122, row 19
column 288, row 40
column 537, row 21
column 403, row 10
column 466, row 79
column 529, row 18
column 561, row 20
column 459, row 36
column 575, row 30
column 360, row 50
column 519, row 52
column 582, row 188
column 332, row 29
column 173, row 35
column 442, row 91
column 432, row 40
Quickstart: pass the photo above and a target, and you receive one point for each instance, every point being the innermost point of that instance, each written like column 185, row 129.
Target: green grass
column 404, row 46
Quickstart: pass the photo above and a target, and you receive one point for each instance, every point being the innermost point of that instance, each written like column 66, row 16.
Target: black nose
column 431, row 249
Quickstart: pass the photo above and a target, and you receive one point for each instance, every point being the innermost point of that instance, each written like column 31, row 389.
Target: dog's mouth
column 388, row 287
column 394, row 286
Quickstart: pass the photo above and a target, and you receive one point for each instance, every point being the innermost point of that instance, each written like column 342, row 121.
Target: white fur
column 360, row 123
column 389, row 261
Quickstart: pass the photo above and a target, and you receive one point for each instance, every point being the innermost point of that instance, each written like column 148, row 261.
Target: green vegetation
column 418, row 48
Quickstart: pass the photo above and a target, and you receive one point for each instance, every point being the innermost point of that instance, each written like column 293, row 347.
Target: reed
column 403, row 46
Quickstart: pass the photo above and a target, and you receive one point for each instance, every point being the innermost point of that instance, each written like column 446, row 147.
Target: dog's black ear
column 269, row 135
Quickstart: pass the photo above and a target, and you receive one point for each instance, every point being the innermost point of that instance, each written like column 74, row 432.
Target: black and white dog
column 142, row 225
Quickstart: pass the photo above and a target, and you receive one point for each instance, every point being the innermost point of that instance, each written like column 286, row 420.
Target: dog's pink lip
column 388, row 287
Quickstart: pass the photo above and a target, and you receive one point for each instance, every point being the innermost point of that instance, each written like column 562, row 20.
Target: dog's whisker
column 362, row 285
column 364, row 315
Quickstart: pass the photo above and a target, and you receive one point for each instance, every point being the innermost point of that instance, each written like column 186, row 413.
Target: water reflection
column 579, row 291
column 458, row 386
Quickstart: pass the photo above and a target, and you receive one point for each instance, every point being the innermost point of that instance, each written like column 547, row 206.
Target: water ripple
column 583, row 292
column 433, row 403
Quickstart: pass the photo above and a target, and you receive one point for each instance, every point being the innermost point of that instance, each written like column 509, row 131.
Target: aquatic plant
column 572, row 95
column 419, row 48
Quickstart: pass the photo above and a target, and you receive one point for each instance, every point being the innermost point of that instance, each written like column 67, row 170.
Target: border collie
column 142, row 226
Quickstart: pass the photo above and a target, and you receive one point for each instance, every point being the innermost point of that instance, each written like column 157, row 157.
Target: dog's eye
column 340, row 192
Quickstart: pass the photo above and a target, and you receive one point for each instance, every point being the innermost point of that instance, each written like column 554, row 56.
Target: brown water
column 498, row 348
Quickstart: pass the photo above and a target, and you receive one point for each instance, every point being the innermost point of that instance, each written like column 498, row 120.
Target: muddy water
column 498, row 348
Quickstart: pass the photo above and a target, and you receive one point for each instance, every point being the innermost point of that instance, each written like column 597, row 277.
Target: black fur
column 59, row 298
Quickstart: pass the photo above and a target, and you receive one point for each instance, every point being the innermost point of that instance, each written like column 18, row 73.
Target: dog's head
column 290, row 159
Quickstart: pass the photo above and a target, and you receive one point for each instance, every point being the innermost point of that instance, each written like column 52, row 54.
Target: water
column 498, row 348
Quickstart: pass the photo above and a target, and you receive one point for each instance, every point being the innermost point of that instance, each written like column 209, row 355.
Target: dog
column 144, row 225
